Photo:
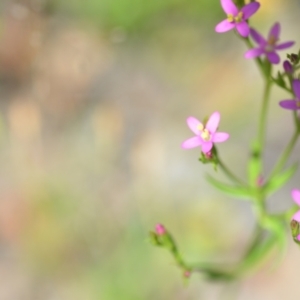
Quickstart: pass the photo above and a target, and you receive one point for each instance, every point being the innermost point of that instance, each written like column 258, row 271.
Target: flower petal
column 296, row 216
column 296, row 196
column 289, row 104
column 224, row 26
column 213, row 122
column 243, row 28
column 296, row 87
column 229, row 7
column 284, row 45
column 206, row 147
column 220, row 137
column 254, row 53
column 257, row 37
column 274, row 31
column 273, row 57
column 193, row 124
column 192, row 143
column 250, row 9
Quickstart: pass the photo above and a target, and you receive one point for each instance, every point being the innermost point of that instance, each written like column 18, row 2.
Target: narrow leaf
column 239, row 192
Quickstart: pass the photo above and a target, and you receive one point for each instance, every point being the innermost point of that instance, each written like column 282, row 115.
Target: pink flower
column 205, row 135
column 237, row 18
column 269, row 46
column 296, row 197
column 293, row 104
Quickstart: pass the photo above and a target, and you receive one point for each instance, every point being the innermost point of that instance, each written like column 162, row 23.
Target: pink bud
column 160, row 229
column 288, row 68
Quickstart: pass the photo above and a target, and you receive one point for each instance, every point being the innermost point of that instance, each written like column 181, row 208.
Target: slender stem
column 285, row 155
column 263, row 117
column 229, row 173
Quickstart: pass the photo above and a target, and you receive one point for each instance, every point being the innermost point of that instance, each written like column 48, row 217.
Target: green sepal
column 244, row 193
column 254, row 166
column 280, row 179
column 280, row 80
column 211, row 159
column 239, row 3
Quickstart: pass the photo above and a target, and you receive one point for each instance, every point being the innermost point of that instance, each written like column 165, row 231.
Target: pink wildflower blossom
column 293, row 104
column 237, row 18
column 205, row 135
column 268, row 47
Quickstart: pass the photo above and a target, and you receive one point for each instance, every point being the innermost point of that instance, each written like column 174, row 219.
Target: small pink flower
column 205, row 135
column 160, row 229
column 293, row 104
column 268, row 47
column 296, row 197
column 237, row 18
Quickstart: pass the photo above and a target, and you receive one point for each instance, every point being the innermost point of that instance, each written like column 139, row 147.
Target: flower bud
column 295, row 229
column 160, row 229
column 288, row 68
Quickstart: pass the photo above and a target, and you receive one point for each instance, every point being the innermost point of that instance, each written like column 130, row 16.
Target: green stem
column 263, row 117
column 285, row 155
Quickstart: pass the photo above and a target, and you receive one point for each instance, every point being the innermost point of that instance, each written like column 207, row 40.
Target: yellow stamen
column 205, row 135
column 230, row 18
column 298, row 103
column 239, row 17
column 200, row 127
column 272, row 40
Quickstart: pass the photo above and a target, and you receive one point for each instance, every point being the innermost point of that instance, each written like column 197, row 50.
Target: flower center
column 235, row 19
column 271, row 43
column 297, row 102
column 205, row 135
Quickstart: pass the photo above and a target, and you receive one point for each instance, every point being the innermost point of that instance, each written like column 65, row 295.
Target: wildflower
column 205, row 135
column 293, row 104
column 269, row 46
column 296, row 217
column 160, row 229
column 237, row 18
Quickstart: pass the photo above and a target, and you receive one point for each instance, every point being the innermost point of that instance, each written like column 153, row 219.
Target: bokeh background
column 93, row 96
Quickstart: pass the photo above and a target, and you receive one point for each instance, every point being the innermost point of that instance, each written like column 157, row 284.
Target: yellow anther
column 205, row 135
column 239, row 17
column 200, row 127
column 298, row 103
column 230, row 18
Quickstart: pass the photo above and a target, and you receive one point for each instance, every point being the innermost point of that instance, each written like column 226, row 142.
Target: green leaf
column 240, row 192
column 279, row 180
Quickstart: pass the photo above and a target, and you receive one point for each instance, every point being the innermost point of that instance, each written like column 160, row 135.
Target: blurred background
column 94, row 95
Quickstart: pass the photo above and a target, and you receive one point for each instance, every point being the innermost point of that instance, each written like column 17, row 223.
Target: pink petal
column 253, row 53
column 229, row 7
column 192, row 143
column 243, row 28
column 213, row 122
column 224, row 26
column 296, row 196
column 296, row 88
column 259, row 39
column 273, row 57
column 206, row 147
column 250, row 9
column 284, row 45
column 193, row 124
column 220, row 137
column 296, row 216
column 275, row 31
column 289, row 104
